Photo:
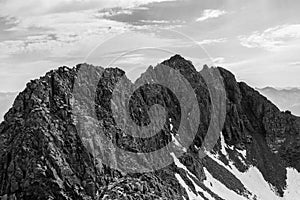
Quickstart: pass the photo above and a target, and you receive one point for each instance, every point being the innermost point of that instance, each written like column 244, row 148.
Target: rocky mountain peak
column 180, row 63
column 43, row 155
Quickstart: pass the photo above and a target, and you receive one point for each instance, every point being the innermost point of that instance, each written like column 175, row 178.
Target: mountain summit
column 43, row 155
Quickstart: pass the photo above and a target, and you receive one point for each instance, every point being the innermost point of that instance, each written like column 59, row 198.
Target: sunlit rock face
column 44, row 155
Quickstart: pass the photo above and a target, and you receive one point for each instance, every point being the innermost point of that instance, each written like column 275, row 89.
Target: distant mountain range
column 284, row 98
column 6, row 101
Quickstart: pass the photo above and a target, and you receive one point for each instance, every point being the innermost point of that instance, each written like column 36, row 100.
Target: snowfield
column 252, row 180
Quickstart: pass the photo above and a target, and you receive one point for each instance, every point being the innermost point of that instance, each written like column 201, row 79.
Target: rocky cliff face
column 44, row 156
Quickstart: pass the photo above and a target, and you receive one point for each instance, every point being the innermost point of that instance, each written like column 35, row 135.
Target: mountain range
column 44, row 156
column 285, row 99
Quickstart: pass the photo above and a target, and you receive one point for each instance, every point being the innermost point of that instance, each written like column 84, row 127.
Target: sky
column 258, row 40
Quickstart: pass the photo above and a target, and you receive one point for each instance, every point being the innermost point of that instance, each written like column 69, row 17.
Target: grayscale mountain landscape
column 149, row 100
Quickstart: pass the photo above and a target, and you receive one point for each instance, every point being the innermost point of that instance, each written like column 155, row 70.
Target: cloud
column 130, row 59
column 273, row 38
column 114, row 11
column 219, row 60
column 181, row 12
column 159, row 14
column 35, row 43
column 294, row 63
column 155, row 21
column 70, row 21
column 20, row 8
column 210, row 14
column 212, row 41
column 57, row 31
column 168, row 23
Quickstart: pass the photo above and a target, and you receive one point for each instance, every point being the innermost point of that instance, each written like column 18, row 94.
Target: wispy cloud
column 20, row 8
column 209, row 14
column 212, row 41
column 219, row 60
column 34, row 43
column 156, row 21
column 54, row 24
column 273, row 38
column 294, row 63
column 58, row 31
column 130, row 59
column 115, row 11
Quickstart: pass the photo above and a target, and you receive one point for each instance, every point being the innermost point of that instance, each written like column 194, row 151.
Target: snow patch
column 292, row 190
column 171, row 125
column 199, row 189
column 190, row 174
column 190, row 193
column 252, row 179
column 242, row 152
column 223, row 144
column 254, row 182
column 176, row 142
column 218, row 188
column 180, row 165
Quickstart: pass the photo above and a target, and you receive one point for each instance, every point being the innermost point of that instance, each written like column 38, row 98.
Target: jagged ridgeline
column 43, row 156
